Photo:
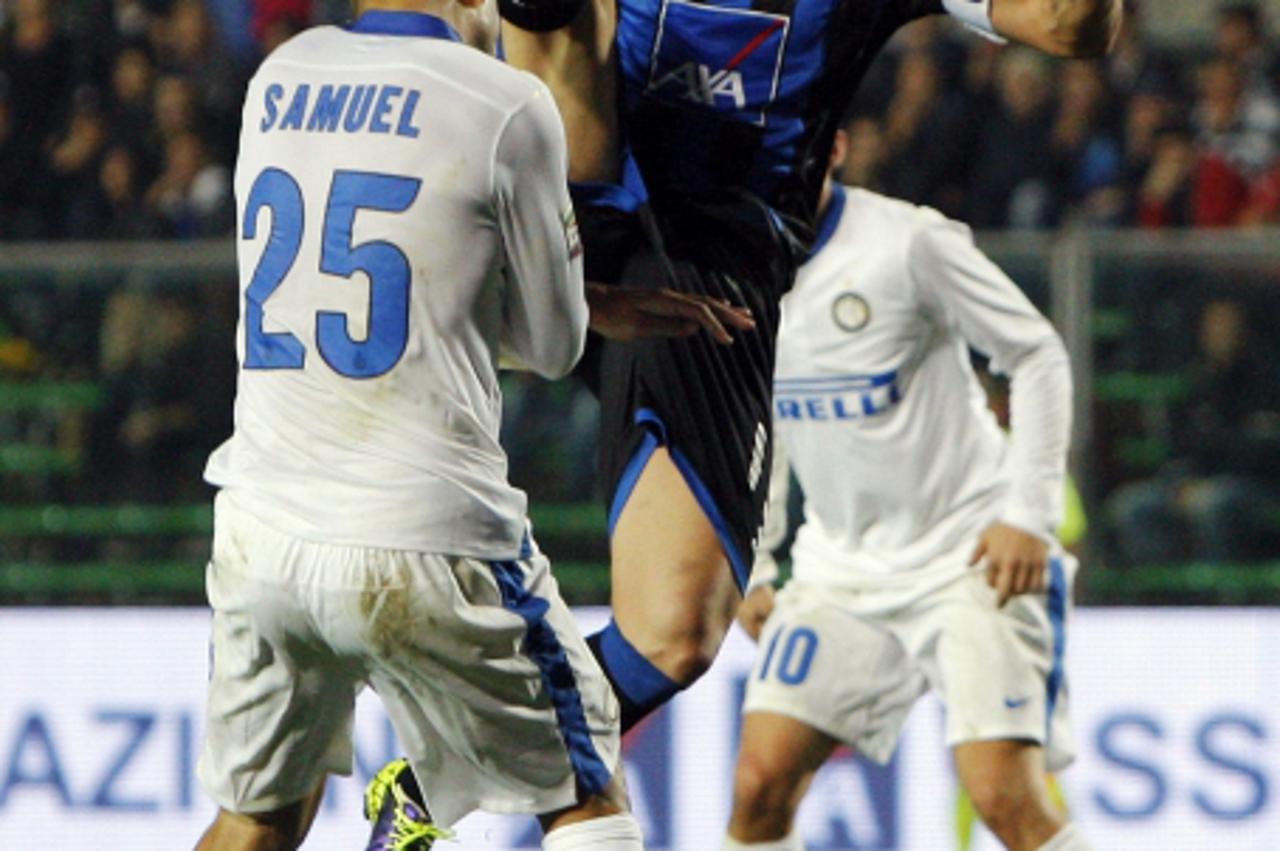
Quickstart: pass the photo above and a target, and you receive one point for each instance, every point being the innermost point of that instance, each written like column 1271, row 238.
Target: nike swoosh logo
column 1014, row 704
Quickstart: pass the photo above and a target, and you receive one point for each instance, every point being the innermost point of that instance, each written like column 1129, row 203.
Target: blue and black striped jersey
column 746, row 94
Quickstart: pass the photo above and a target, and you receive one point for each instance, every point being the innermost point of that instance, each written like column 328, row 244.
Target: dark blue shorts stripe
column 741, row 568
column 655, row 436
column 630, row 476
column 543, row 647
column 1057, row 605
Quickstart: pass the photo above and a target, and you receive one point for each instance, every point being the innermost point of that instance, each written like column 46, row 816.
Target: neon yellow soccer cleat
column 399, row 822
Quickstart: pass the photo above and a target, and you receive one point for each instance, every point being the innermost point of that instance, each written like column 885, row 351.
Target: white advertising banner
column 1177, row 714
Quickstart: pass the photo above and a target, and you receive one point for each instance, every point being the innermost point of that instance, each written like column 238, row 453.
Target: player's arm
column 965, row 290
column 545, row 308
column 1079, row 28
column 568, row 44
column 628, row 313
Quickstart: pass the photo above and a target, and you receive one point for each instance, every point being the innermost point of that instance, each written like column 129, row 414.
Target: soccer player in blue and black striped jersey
column 699, row 133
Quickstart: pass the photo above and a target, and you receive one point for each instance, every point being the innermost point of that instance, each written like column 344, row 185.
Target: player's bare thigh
column 578, row 64
column 673, row 591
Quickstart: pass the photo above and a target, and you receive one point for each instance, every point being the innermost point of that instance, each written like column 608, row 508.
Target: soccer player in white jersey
column 404, row 221
column 927, row 557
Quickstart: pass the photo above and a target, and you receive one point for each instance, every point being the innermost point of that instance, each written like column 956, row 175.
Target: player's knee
column 999, row 805
column 686, row 656
column 762, row 792
column 682, row 641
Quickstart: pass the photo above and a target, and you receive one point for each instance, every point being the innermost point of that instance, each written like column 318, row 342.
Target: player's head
column 476, row 21
column 867, row 152
column 839, row 148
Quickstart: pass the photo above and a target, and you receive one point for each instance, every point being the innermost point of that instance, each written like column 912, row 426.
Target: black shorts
column 707, row 403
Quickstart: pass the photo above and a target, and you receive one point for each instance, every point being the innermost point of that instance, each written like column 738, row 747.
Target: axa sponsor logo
column 700, row 84
column 723, row 59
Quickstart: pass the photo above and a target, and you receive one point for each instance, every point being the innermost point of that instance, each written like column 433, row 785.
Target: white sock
column 607, row 833
column 787, row 843
column 1067, row 839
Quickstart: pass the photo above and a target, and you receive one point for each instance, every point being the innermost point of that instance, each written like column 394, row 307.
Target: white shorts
column 849, row 665
column 491, row 688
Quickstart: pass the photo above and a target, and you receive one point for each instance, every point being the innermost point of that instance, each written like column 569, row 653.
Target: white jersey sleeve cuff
column 976, row 15
column 1031, row 522
column 763, row 572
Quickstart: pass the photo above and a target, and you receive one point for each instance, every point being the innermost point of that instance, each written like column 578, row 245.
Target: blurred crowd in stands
column 1149, row 137
column 118, row 120
column 1215, row 496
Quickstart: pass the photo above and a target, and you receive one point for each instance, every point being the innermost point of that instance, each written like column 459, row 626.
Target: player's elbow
column 561, row 355
column 1067, row 28
column 1042, row 361
column 1050, row 360
column 1055, row 352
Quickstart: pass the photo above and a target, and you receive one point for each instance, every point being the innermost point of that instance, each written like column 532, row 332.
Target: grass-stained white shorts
column 489, row 684
column 852, row 663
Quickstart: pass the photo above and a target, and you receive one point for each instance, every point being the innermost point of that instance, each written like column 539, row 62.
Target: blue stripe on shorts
column 1057, row 603
column 543, row 647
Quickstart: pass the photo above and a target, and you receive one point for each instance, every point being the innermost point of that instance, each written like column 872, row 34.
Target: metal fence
column 117, row 369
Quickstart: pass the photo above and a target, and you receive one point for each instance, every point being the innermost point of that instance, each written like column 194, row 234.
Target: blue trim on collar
column 383, row 22
column 830, row 219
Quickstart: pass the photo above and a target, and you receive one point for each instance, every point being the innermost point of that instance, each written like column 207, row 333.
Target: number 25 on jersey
column 384, row 264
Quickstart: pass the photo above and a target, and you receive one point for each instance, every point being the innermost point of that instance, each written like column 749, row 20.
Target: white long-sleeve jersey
column 880, row 414
column 403, row 219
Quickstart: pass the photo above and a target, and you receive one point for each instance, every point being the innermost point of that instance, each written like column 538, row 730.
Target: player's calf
column 282, row 829
column 1006, row 781
column 788, row 843
column 599, row 823
column 1067, row 839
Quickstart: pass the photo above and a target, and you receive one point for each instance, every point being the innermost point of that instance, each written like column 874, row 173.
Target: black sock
column 640, row 687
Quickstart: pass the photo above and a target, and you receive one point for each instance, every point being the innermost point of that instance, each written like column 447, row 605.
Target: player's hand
column 629, row 313
column 755, row 610
column 1016, row 560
